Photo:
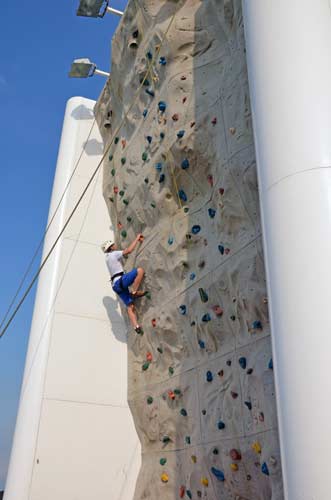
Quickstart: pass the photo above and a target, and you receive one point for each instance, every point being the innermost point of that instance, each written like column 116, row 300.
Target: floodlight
column 96, row 8
column 84, row 68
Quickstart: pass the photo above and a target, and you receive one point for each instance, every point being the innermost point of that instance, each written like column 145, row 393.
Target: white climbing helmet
column 106, row 246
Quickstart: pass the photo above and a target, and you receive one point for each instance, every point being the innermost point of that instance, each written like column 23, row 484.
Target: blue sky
column 38, row 41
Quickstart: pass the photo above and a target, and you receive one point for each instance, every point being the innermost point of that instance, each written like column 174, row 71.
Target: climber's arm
column 133, row 244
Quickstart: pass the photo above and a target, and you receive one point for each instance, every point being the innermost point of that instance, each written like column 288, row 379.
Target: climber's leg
column 132, row 315
column 137, row 281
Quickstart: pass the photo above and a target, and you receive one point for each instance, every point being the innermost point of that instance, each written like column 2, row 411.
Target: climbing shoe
column 139, row 330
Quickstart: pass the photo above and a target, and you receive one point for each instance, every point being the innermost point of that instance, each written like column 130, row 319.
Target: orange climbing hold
column 204, row 481
column 149, row 357
column 171, row 395
column 164, row 478
column 123, row 143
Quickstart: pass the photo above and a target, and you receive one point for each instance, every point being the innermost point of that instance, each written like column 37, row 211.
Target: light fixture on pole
column 84, row 68
column 96, row 8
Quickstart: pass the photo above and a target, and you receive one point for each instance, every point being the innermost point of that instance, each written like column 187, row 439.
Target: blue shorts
column 121, row 286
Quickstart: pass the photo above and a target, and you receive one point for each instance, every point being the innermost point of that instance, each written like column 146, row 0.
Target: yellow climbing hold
column 234, row 467
column 256, row 447
column 204, row 481
column 164, row 478
column 194, row 459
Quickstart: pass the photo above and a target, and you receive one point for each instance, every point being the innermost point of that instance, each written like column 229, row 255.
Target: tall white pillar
column 289, row 65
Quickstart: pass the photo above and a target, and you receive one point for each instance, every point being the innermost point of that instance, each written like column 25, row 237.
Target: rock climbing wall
column 180, row 168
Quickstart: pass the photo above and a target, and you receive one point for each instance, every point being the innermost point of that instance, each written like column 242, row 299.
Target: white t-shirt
column 113, row 261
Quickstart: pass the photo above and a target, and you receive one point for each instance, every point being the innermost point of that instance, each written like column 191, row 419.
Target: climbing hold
column 144, row 156
column 242, row 362
column 218, row 474
column 171, row 395
column 149, row 139
column 229, row 362
column 248, row 404
column 232, row 130
column 116, row 140
column 261, row 416
column 234, row 394
column 257, row 325
column 171, row 370
column 162, row 61
column 149, row 400
column 145, row 366
column 214, row 121
column 124, row 233
column 205, row 318
column 123, row 161
column 232, row 317
column 111, row 199
column 210, row 180
column 209, row 376
column 175, row 117
column 182, row 309
column 161, row 178
column 211, row 213
column 256, row 447
column 271, row 365
column 121, row 193
column 248, row 477
column 192, row 124
column 149, row 357
column 234, row 467
column 126, row 202
column 264, row 469
column 160, row 350
column 201, row 344
column 119, row 225
column 145, row 113
column 272, row 461
column 164, row 478
column 199, row 493
column 196, row 229
column 220, row 373
column 180, row 134
column 149, row 55
column 150, row 92
column 185, row 164
column 221, row 191
column 184, row 100
column 221, row 425
column 203, row 295
column 163, row 461
column 187, row 440
column 162, row 135
column 192, row 276
column 162, row 106
column 158, row 166
column 249, row 371
column 221, row 249
column 153, row 205
column 183, row 77
column 204, row 481
column 129, row 219
column 146, row 180
column 218, row 310
column 123, row 141
column 227, row 251
column 215, row 451
column 110, row 157
column 177, row 392
column 235, row 454
column 113, row 172
column 188, row 493
column 170, row 240
column 166, row 439
column 183, row 412
column 182, row 490
column 182, row 195
column 204, row 412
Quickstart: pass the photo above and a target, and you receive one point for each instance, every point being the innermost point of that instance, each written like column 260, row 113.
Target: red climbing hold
column 234, row 394
column 119, row 225
column 182, row 490
column 115, row 189
column 221, row 191
column 218, row 310
column 235, row 454
column 214, row 121
column 227, row 251
column 171, row 395
column 210, row 180
column 123, row 143
column 149, row 357
column 154, row 322
column 175, row 117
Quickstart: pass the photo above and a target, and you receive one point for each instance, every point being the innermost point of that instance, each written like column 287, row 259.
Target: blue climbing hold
column 145, row 113
column 162, row 106
column 150, row 92
column 206, row 317
column 196, row 229
column 221, row 425
column 221, row 249
column 149, row 139
column 185, row 164
column 146, row 83
column 271, row 364
column 264, row 469
column 170, row 240
column 162, row 61
column 149, row 55
column 182, row 309
column 201, row 343
column 180, row 134
column 161, row 178
column 158, row 167
column 257, row 325
column 243, row 362
column 218, row 474
column 182, row 195
column 248, row 404
column 211, row 213
column 162, row 135
column 192, row 276
column 209, row 376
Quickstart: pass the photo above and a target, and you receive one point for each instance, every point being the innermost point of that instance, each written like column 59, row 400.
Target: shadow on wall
column 115, row 319
column 81, row 112
column 93, row 148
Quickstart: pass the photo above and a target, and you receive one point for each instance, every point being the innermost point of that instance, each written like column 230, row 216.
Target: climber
column 121, row 281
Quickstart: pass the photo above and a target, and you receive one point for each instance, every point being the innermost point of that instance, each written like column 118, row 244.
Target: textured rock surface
column 225, row 329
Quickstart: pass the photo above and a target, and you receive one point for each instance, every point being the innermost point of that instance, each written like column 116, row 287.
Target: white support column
column 289, row 65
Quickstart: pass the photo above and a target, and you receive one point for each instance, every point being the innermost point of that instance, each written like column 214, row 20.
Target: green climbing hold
column 110, row 157
column 126, row 202
column 145, row 366
column 121, row 193
column 163, row 461
column 111, row 199
column 166, row 439
column 153, row 205
column 183, row 412
column 112, row 172
column 149, row 400
column 129, row 219
column 116, row 140
column 171, row 370
column 186, row 209
column 160, row 350
column 124, row 233
column 177, row 392
column 203, row 295
column 187, row 440
column 123, row 161
column 144, row 156
column 148, row 295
